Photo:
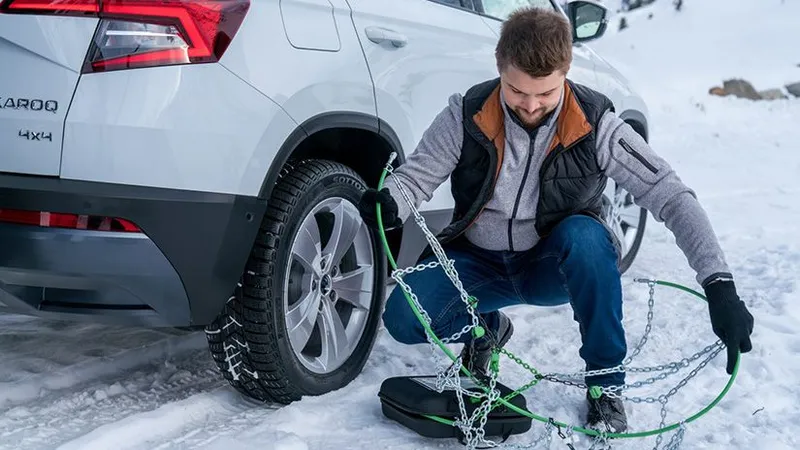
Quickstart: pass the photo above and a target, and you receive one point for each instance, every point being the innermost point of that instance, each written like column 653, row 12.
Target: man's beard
column 532, row 120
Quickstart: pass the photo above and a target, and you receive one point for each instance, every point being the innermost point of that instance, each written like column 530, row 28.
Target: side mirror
column 588, row 18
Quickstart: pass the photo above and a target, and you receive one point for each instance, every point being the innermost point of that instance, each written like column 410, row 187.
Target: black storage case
column 408, row 399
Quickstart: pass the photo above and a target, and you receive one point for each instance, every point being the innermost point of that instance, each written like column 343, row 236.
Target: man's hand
column 730, row 319
column 369, row 211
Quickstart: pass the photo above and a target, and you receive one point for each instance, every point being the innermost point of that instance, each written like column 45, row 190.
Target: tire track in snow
column 200, row 419
column 81, row 366
column 102, row 391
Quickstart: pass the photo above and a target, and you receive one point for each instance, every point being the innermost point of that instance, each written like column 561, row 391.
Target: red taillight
column 61, row 220
column 145, row 33
column 68, row 7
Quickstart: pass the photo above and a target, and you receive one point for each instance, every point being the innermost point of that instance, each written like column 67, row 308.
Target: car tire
column 278, row 338
column 628, row 227
column 630, row 256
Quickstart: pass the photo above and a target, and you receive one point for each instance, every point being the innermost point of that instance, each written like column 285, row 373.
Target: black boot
column 476, row 357
column 606, row 414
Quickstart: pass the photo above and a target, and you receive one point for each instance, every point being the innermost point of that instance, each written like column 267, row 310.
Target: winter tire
column 304, row 317
column 626, row 220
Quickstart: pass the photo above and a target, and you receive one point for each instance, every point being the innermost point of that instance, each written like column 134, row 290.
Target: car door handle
column 380, row 35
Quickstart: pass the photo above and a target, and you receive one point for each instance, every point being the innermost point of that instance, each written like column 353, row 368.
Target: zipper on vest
column 637, row 155
column 519, row 193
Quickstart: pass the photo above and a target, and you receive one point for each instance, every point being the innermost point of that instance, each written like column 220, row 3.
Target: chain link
column 449, row 378
column 544, row 439
column 473, row 436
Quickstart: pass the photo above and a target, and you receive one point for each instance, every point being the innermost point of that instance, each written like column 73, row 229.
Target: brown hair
column 536, row 41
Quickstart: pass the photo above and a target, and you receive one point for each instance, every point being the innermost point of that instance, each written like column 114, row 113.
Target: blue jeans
column 576, row 264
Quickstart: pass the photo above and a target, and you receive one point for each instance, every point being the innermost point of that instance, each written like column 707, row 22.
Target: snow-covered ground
column 93, row 387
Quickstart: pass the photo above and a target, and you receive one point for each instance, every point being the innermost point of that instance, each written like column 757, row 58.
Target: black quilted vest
column 571, row 180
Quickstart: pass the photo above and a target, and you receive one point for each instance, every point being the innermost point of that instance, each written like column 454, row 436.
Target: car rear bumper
column 178, row 272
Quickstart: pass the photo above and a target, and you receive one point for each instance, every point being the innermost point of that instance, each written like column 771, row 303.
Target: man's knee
column 400, row 320
column 586, row 238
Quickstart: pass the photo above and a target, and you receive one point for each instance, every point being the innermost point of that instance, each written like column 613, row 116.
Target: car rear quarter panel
column 304, row 82
column 194, row 127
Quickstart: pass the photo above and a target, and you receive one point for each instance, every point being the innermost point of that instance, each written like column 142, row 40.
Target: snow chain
column 473, row 426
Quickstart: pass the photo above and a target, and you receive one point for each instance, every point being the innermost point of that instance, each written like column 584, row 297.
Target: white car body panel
column 447, row 51
column 310, row 24
column 318, row 82
column 613, row 83
column 180, row 127
column 41, row 59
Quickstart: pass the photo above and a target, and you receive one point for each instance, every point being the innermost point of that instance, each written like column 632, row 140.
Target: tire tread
column 248, row 316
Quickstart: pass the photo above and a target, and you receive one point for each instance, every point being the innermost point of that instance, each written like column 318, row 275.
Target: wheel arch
column 318, row 135
column 637, row 121
column 360, row 141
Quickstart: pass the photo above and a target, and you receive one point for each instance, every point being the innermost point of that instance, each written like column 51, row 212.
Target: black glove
column 367, row 207
column 730, row 319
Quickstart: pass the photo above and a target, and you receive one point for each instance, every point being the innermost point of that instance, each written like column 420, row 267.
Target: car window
column 501, row 9
column 456, row 3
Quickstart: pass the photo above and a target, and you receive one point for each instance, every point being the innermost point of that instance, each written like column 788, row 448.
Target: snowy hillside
column 96, row 388
column 685, row 53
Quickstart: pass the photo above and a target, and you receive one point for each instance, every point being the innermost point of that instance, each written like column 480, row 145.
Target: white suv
column 197, row 164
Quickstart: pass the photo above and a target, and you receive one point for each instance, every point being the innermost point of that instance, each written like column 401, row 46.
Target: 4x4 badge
column 36, row 135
